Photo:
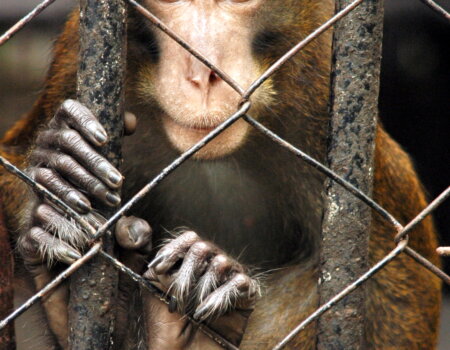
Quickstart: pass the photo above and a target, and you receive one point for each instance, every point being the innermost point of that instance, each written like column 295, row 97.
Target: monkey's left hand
column 205, row 284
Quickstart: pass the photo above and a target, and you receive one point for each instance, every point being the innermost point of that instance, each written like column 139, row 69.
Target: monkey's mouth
column 174, row 124
column 185, row 135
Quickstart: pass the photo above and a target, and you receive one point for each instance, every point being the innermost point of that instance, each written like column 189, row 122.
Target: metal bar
column 432, row 206
column 324, row 170
column 100, row 87
column 345, row 292
column 428, row 265
column 344, row 250
column 437, row 8
column 20, row 24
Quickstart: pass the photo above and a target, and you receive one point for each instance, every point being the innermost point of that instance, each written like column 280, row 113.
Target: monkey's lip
column 195, row 128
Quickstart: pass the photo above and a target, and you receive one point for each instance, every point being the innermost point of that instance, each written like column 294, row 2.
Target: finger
column 53, row 182
column 40, row 246
column 132, row 232
column 66, row 230
column 129, row 123
column 71, row 142
column 217, row 273
column 79, row 117
column 173, row 251
column 194, row 265
column 74, row 172
column 239, row 290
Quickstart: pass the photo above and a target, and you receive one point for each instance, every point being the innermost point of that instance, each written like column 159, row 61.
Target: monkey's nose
column 204, row 80
column 200, row 76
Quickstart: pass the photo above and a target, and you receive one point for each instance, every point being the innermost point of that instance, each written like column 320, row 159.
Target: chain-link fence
column 400, row 232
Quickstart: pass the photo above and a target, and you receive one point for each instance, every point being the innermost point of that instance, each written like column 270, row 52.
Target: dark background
column 414, row 96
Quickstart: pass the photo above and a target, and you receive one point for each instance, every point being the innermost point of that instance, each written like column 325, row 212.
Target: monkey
column 235, row 230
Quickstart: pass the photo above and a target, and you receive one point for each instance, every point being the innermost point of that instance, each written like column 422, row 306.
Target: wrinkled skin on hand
column 203, row 281
column 64, row 160
column 205, row 284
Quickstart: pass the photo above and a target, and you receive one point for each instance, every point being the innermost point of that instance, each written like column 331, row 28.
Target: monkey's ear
column 129, row 123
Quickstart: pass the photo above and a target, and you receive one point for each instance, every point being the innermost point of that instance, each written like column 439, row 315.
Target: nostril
column 213, row 77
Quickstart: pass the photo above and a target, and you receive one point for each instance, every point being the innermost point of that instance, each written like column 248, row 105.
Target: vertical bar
column 100, row 81
column 346, row 223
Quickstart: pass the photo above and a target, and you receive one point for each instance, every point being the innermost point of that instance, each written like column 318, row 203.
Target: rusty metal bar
column 326, row 171
column 100, row 87
column 346, row 226
column 22, row 23
column 428, row 265
column 432, row 206
column 437, row 8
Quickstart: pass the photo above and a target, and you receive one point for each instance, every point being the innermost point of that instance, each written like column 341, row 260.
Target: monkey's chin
column 184, row 137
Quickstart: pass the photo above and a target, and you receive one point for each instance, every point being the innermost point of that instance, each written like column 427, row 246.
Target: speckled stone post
column 93, row 288
column 346, row 224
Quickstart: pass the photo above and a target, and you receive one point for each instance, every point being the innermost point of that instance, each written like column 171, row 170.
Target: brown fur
column 403, row 299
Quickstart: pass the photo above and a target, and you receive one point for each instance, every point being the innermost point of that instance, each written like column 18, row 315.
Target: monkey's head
column 241, row 37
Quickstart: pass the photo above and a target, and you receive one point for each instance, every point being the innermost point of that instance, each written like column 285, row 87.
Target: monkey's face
column 194, row 100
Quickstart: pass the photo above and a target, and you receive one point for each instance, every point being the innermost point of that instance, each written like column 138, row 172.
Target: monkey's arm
column 64, row 160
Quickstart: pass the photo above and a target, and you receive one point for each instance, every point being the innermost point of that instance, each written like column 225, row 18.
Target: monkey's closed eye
column 265, row 41
column 142, row 38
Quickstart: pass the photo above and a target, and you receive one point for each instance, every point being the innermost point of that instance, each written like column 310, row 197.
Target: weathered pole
column 346, row 223
column 100, row 81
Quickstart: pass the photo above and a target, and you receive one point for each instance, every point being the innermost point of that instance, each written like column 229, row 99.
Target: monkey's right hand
column 65, row 162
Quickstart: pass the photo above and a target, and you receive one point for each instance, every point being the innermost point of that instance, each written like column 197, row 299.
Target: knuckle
column 26, row 245
column 42, row 210
column 189, row 236
column 241, row 280
column 70, row 138
column 68, row 105
column 95, row 161
column 43, row 175
column 200, row 248
column 62, row 160
column 36, row 234
column 220, row 263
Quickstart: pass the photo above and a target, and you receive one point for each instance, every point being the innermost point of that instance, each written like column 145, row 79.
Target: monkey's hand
column 207, row 285
column 65, row 162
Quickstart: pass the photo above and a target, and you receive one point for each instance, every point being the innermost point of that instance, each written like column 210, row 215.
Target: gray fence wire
column 399, row 231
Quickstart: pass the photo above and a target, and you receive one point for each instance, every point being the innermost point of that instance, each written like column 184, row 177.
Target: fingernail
column 115, row 178
column 172, row 304
column 156, row 261
column 198, row 313
column 72, row 254
column 83, row 205
column 112, row 198
column 100, row 136
column 133, row 234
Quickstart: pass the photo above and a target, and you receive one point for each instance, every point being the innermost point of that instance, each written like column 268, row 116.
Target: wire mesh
column 399, row 231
